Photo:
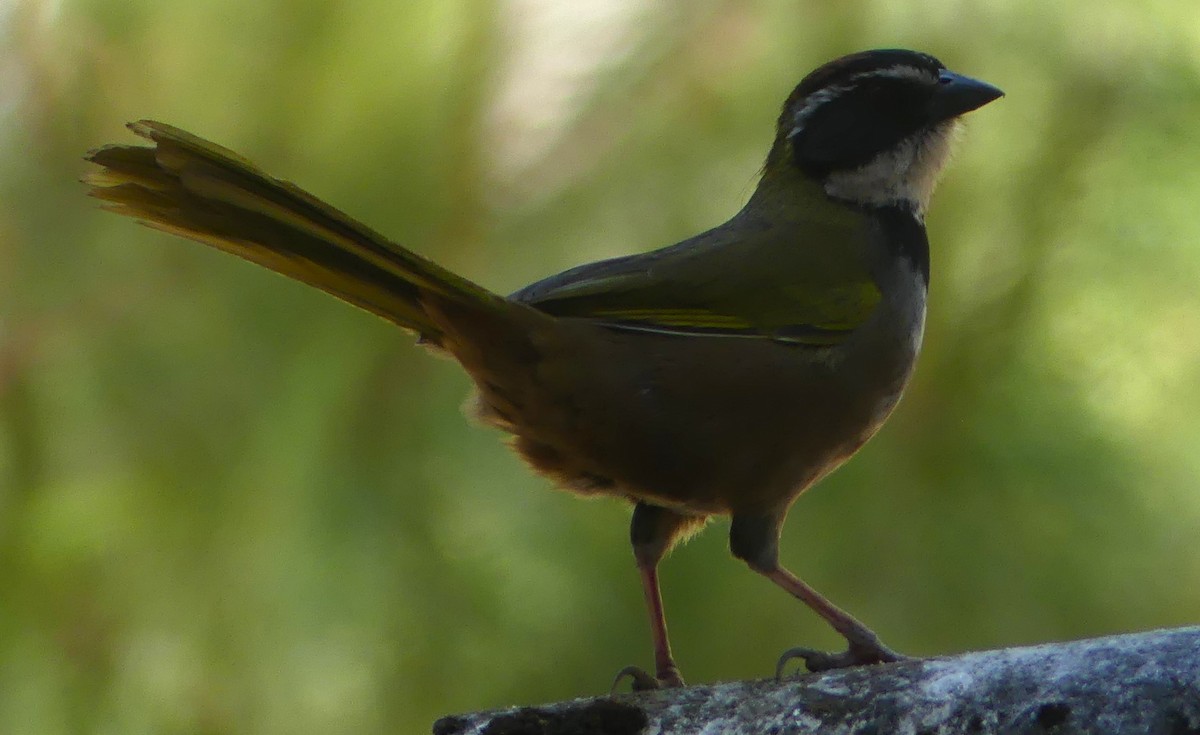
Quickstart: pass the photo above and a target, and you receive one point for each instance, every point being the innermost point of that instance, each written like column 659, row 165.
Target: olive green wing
column 798, row 282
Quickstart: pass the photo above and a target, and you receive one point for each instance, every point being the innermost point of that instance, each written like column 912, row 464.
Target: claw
column 643, row 681
column 858, row 654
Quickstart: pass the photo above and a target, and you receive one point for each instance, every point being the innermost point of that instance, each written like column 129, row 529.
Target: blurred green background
column 230, row 503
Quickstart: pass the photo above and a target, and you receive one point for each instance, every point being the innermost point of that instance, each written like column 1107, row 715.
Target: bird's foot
column 667, row 678
column 859, row 653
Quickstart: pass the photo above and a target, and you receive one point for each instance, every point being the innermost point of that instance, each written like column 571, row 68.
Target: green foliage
column 229, row 503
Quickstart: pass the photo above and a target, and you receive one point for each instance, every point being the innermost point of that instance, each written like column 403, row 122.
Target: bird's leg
column 755, row 540
column 863, row 645
column 653, row 531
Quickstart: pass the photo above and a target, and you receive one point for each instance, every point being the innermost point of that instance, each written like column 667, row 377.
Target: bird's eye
column 945, row 78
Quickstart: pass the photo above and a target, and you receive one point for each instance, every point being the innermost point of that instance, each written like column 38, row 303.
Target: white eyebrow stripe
column 900, row 71
column 815, row 100
column 821, row 96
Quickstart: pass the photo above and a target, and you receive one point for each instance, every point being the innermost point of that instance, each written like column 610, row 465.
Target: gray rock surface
column 1141, row 684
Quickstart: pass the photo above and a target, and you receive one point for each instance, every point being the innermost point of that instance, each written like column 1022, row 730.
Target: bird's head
column 875, row 128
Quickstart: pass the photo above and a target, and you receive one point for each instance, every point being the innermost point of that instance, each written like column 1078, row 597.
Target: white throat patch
column 907, row 172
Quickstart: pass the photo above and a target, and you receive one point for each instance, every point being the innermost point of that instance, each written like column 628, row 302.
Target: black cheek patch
column 851, row 129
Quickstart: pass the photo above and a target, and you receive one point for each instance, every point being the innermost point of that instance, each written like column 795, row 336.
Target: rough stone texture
column 1142, row 684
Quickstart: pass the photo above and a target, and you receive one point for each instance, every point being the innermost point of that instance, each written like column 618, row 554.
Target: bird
column 723, row 375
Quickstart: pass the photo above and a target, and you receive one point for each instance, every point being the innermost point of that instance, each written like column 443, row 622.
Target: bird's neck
column 899, row 226
column 788, row 194
column 902, row 230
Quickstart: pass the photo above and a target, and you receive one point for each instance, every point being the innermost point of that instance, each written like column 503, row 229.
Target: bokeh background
column 230, row 503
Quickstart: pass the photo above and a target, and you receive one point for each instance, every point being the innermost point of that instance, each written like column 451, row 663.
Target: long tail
column 193, row 188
